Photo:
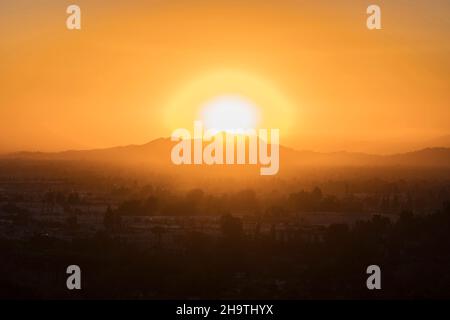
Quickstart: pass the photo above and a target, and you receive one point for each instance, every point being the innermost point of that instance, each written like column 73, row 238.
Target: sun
column 230, row 113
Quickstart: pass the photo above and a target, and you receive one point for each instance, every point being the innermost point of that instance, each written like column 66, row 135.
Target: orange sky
column 139, row 69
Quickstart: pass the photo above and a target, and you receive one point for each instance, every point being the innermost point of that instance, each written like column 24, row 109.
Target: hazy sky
column 139, row 69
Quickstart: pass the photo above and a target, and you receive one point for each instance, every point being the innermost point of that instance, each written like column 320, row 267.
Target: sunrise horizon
column 362, row 146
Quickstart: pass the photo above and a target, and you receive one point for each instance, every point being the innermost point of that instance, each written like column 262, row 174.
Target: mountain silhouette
column 157, row 152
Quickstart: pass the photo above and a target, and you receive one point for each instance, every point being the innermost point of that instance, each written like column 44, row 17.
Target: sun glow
column 230, row 113
column 228, row 100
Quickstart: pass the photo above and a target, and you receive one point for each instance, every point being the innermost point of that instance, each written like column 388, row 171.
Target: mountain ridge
column 158, row 150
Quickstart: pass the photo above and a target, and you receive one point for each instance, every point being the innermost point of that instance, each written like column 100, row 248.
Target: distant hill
column 157, row 152
column 439, row 157
column 443, row 142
